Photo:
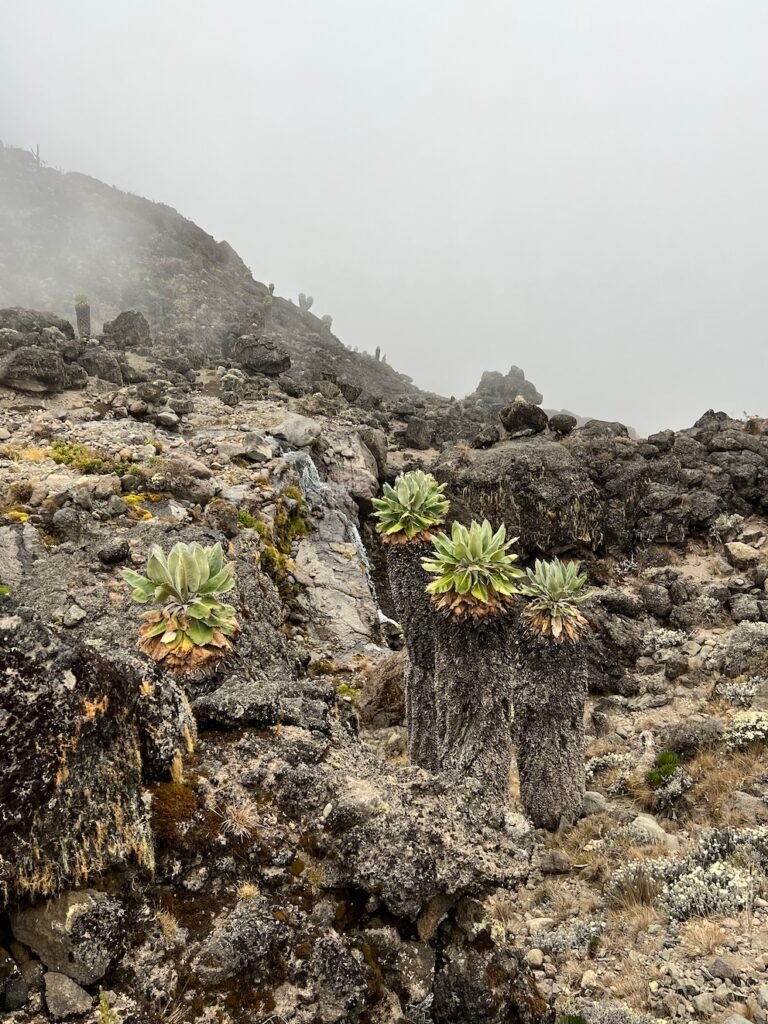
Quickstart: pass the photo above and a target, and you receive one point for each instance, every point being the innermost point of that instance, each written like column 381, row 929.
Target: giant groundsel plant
column 475, row 571
column 192, row 626
column 411, row 509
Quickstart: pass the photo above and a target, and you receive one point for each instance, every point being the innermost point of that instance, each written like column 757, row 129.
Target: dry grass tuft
column 701, row 936
column 602, row 745
column 716, row 775
column 248, row 891
column 635, row 919
column 238, row 820
column 169, row 926
column 641, row 791
column 634, row 893
column 503, row 908
column 177, row 768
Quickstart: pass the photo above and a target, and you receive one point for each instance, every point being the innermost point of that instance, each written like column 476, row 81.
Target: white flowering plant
column 746, row 728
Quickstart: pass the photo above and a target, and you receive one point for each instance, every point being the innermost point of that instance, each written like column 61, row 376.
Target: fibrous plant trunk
column 473, row 669
column 408, row 582
column 83, row 313
column 549, row 694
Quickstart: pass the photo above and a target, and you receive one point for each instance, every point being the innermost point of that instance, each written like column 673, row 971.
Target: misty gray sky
column 574, row 186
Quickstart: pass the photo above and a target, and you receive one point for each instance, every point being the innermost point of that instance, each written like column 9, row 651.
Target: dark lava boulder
column 98, row 362
column 562, row 423
column 522, row 415
column 129, row 329
column 38, row 370
column 31, row 321
column 261, row 355
column 533, row 485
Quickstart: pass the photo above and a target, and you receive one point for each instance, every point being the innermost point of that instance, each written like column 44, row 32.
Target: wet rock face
column 70, row 778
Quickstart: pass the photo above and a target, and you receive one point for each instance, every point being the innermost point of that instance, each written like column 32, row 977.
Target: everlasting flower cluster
column 746, row 728
column 667, row 795
column 579, row 935
column 740, row 691
column 710, row 880
column 659, row 639
column 718, row 889
column 606, row 763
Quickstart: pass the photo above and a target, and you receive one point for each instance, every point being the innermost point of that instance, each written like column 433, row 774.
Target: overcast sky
column 574, row 186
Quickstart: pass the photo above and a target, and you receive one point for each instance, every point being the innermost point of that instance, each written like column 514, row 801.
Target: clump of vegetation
column 411, row 509
column 746, row 728
column 16, row 515
column 475, row 571
column 290, row 519
column 664, row 768
column 247, row 519
column 556, row 591
column 106, row 1014
column 80, row 457
column 4, row 590
column 192, row 628
column 138, row 499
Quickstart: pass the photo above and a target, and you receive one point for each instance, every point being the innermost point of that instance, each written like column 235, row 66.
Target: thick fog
column 574, row 186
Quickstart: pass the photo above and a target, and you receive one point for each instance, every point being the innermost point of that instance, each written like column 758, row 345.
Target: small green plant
column 475, row 571
column 572, row 1018
column 556, row 591
column 106, row 1014
column 410, row 509
column 664, row 768
column 4, row 590
column 247, row 519
column 193, row 626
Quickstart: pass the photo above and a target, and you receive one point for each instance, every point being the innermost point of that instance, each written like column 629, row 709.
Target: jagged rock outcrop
column 62, row 234
column 98, row 361
column 31, row 321
column 497, row 390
